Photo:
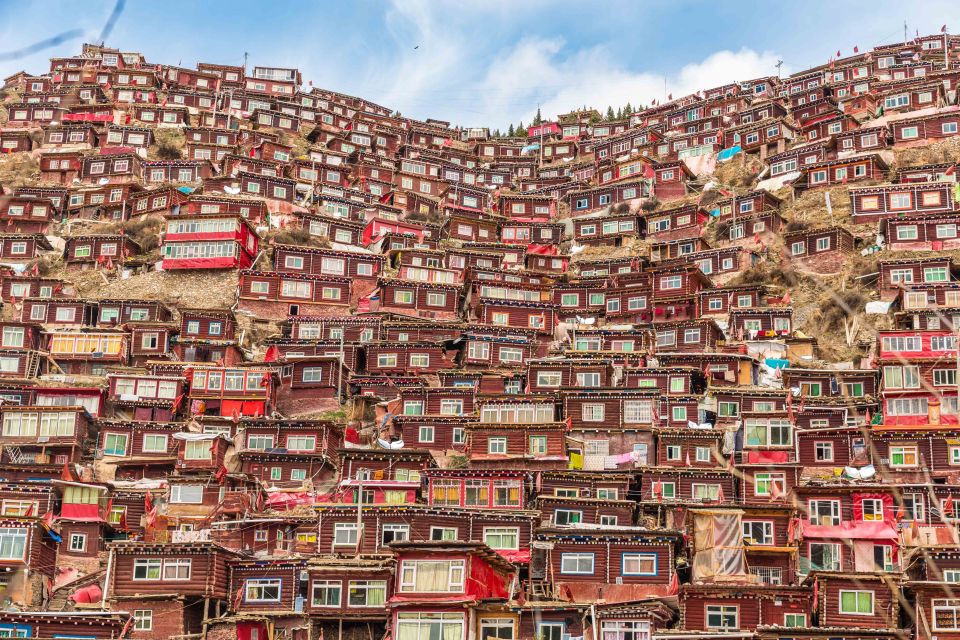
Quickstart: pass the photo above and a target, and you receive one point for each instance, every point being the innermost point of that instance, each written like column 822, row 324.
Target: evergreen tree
column 510, row 131
column 521, row 130
column 610, row 114
column 537, row 119
column 497, row 134
column 627, row 110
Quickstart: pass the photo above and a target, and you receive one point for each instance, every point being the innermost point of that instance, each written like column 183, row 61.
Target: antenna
column 778, row 65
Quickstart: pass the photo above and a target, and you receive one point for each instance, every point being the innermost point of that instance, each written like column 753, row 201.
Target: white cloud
column 538, row 71
column 454, row 74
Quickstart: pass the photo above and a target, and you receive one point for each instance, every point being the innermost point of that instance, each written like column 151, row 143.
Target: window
column 537, row 445
column 502, row 537
column 497, row 445
column 592, row 412
column 430, row 626
column 775, row 432
column 345, row 534
column 78, row 542
column 432, row 576
column 946, row 614
column 551, row 379
column 197, row 450
column 722, row 617
column 824, row 512
column 326, row 593
column 173, row 569
column 706, row 491
column 576, row 563
column 903, row 456
column 115, row 444
column 823, row 451
column 795, row 620
column 883, row 558
column 671, row 282
column 567, row 516
column 758, row 532
column 301, row 443
column 386, row 360
column 588, row 379
column 858, row 603
column 143, row 619
column 639, row 564
column 13, row 544
column 367, row 593
column 496, row 628
column 186, row 493
column 620, row 630
column 872, row 509
column 262, row 590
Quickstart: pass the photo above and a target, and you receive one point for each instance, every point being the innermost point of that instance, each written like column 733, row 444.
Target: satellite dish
column 103, row 181
column 231, row 190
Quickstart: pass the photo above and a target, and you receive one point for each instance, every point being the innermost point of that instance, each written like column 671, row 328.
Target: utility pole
column 359, row 515
column 778, row 65
column 904, row 32
column 946, row 49
column 340, row 360
column 541, row 138
column 247, row 55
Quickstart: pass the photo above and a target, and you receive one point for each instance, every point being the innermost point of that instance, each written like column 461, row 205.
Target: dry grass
column 145, row 231
column 740, row 172
column 810, row 208
column 292, row 235
column 200, row 289
column 18, row 170
column 947, row 150
column 168, row 144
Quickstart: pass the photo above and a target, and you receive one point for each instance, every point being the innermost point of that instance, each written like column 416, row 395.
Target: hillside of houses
column 278, row 363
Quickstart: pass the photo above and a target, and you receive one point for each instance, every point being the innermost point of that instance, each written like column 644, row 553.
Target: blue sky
column 484, row 63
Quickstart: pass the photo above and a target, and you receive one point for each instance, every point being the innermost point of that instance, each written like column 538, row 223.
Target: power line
column 112, row 20
column 41, row 45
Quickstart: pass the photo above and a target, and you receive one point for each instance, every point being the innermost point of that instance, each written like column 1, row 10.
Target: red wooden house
column 106, row 251
column 209, row 242
column 841, row 171
column 229, row 391
column 270, row 294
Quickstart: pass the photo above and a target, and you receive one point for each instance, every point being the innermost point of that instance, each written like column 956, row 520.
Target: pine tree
column 610, row 114
column 497, row 134
column 537, row 119
column 510, row 131
column 521, row 130
column 627, row 110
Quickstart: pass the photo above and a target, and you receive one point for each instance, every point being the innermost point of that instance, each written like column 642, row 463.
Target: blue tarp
column 726, row 154
column 777, row 363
